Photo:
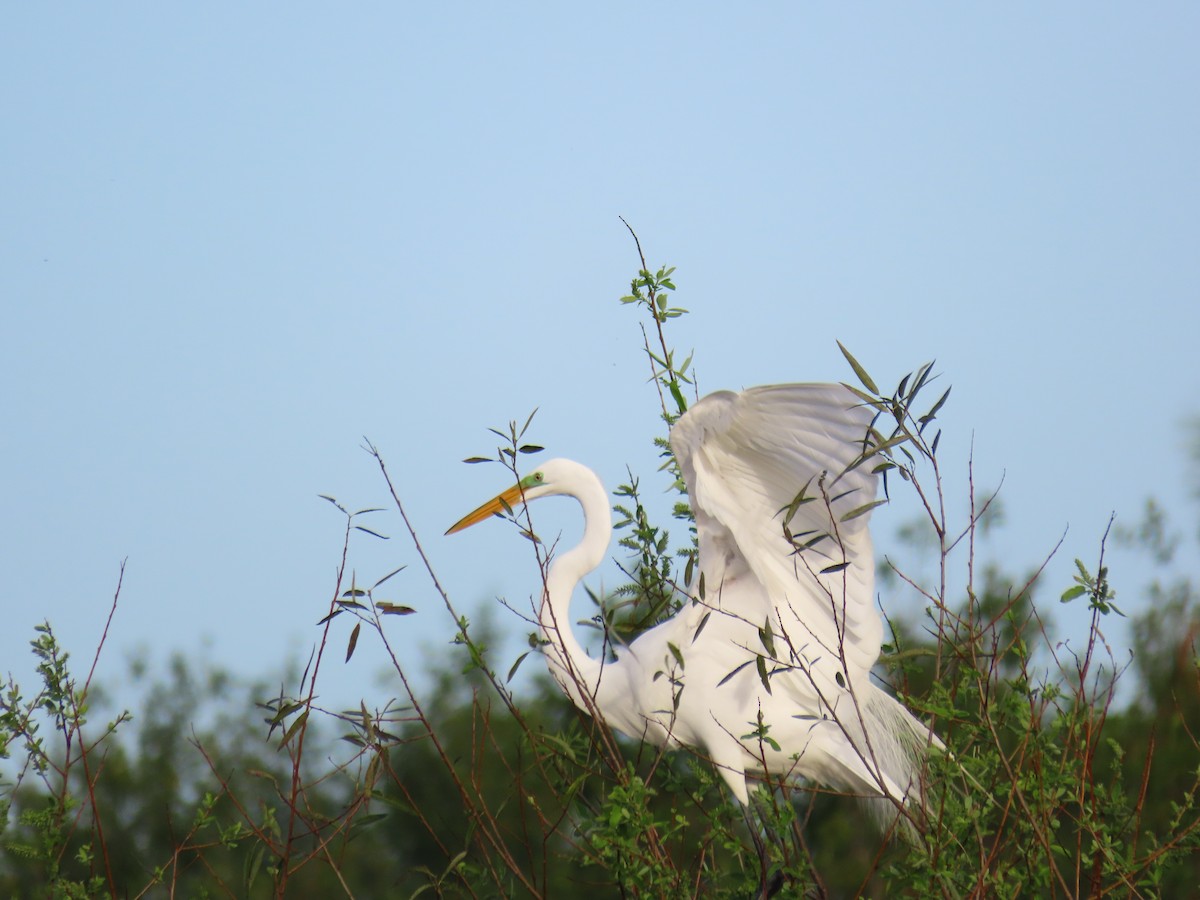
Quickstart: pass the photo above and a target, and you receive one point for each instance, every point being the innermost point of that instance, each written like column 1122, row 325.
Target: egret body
column 767, row 667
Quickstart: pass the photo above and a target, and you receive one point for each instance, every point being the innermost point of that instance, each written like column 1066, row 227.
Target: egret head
column 549, row 479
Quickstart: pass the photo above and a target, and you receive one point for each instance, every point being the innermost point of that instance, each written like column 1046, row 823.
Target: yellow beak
column 500, row 503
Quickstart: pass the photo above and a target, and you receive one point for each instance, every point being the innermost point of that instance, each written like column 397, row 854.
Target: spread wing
column 746, row 459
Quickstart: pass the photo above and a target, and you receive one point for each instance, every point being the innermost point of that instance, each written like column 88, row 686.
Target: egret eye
column 538, row 476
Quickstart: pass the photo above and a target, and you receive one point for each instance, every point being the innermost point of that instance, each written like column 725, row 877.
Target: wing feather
column 745, row 458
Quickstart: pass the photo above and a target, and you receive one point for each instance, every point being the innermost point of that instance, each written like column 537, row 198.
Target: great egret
column 768, row 667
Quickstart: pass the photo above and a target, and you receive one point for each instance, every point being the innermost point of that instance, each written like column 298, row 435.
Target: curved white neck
column 577, row 673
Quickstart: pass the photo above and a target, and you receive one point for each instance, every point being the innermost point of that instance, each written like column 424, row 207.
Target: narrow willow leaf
column 862, row 510
column 515, row 666
column 896, row 440
column 677, row 394
column 530, row 419
column 675, row 652
column 812, row 542
column 928, row 417
column 836, row 567
column 789, row 511
column 767, row 638
column 382, row 537
column 858, row 370
column 387, row 576
column 363, row 822
column 332, row 615
column 866, row 398
column 392, row 609
column 922, row 376
column 354, row 592
column 563, row 747
column 530, row 448
column 293, row 728
column 700, row 627
column 762, row 672
column 284, row 711
column 472, row 460
column 350, row 646
column 734, row 672
column 253, row 865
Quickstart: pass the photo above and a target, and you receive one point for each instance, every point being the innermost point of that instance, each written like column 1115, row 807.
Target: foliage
column 462, row 788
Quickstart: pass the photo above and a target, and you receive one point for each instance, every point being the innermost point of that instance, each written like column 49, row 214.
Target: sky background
column 234, row 241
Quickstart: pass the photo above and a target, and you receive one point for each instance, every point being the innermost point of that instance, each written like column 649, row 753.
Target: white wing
column 745, row 457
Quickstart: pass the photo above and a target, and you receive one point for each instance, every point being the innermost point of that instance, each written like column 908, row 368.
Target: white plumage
column 768, row 666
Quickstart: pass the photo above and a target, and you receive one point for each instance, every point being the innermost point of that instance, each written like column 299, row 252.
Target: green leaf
column 525, row 427
column 349, row 647
column 472, row 460
column 678, row 397
column 675, row 652
column 767, row 638
column 516, row 665
column 293, row 728
column 387, row 576
column 253, row 864
column 858, row 370
column 392, row 609
column 734, row 672
column 929, row 416
column 364, row 822
column 1072, row 592
column 761, row 662
column 862, row 510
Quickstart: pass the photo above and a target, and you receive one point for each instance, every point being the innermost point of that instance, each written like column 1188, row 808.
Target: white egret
column 767, row 668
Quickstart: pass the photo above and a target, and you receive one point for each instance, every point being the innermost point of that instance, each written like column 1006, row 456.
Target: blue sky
column 234, row 241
